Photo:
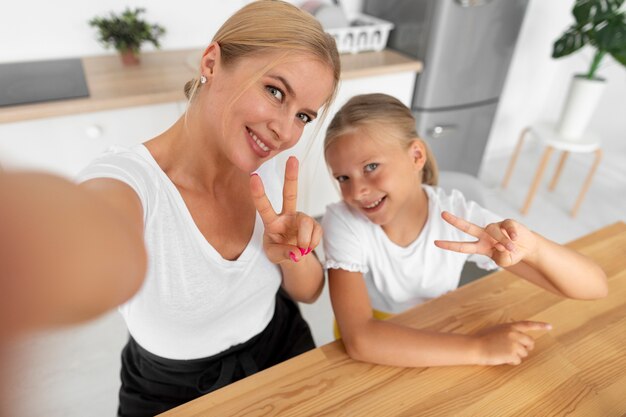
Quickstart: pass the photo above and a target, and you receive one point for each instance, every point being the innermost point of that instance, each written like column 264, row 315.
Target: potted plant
column 126, row 33
column 600, row 24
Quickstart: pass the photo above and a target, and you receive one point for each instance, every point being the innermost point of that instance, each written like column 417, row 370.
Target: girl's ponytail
column 430, row 172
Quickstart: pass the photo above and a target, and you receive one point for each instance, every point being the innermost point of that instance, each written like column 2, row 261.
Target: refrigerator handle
column 441, row 130
column 473, row 3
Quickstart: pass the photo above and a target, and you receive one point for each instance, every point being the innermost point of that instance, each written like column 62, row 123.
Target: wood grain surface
column 576, row 369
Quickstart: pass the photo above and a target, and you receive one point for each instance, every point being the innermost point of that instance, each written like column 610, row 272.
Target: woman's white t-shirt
column 398, row 278
column 193, row 303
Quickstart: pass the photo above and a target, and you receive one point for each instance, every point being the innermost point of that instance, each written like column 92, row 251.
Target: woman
column 208, row 311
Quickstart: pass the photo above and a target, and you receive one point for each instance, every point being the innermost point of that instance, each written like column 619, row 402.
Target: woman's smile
column 270, row 113
column 258, row 145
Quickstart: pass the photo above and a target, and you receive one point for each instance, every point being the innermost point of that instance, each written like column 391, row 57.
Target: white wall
column 537, row 84
column 535, row 87
column 37, row 29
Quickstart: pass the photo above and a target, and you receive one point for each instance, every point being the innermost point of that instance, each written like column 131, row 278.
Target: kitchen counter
column 161, row 77
column 576, row 369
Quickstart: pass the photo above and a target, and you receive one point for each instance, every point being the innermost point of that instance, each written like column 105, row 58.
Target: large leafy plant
column 599, row 23
column 126, row 32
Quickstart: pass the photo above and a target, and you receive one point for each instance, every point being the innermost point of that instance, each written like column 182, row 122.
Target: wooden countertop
column 577, row 369
column 161, row 77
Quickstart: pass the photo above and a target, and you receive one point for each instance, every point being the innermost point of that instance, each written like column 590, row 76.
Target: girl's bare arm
column 541, row 261
column 387, row 343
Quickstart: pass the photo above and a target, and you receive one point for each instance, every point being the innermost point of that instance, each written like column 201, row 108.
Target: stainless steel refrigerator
column 466, row 47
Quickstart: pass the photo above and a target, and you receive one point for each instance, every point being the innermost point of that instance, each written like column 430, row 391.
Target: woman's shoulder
column 134, row 161
column 133, row 166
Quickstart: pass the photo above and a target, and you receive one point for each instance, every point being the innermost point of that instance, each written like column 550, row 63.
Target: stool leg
column 557, row 173
column 533, row 188
column 587, row 183
column 513, row 160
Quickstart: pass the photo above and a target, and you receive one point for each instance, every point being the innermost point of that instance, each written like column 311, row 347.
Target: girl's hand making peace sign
column 289, row 235
column 506, row 242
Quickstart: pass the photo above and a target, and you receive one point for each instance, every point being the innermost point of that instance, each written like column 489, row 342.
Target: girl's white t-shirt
column 398, row 278
column 193, row 303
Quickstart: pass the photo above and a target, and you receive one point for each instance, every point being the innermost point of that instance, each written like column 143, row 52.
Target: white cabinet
column 64, row 145
column 316, row 187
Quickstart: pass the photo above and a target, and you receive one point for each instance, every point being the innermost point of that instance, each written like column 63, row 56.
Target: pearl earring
column 202, row 79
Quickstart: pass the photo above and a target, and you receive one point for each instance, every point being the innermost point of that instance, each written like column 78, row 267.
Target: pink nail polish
column 303, row 251
column 293, row 257
column 308, row 250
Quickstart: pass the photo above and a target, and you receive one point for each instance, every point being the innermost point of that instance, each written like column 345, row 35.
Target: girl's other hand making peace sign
column 289, row 235
column 506, row 242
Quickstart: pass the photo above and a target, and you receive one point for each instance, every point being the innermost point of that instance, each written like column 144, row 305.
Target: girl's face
column 253, row 123
column 377, row 176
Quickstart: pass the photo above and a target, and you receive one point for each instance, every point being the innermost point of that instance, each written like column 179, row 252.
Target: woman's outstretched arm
column 68, row 252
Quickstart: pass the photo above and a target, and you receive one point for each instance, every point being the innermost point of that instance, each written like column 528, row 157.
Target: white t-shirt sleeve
column 125, row 166
column 343, row 248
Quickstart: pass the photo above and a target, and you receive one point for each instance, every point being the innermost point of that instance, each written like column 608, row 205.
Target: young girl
column 396, row 240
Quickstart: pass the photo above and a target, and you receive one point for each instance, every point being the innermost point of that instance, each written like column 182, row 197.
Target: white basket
column 368, row 34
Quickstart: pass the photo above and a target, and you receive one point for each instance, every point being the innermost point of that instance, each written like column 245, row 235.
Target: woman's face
column 253, row 123
column 377, row 176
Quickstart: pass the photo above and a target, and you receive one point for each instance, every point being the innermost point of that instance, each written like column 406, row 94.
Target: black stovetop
column 37, row 81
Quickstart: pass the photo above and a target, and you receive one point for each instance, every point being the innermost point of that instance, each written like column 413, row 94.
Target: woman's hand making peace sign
column 289, row 235
column 507, row 242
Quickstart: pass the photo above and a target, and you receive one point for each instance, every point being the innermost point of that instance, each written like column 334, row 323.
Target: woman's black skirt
column 152, row 385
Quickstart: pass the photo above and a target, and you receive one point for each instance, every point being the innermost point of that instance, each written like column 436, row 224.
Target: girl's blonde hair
column 273, row 25
column 381, row 113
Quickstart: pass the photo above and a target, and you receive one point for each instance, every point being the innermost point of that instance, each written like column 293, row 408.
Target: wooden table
column 577, row 369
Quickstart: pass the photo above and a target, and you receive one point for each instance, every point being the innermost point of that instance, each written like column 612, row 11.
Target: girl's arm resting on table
column 386, row 343
column 547, row 264
column 68, row 252
column 562, row 271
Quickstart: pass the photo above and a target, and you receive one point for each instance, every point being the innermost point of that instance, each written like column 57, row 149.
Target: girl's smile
column 375, row 206
column 377, row 177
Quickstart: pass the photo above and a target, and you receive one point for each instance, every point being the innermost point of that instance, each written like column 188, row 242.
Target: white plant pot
column 582, row 100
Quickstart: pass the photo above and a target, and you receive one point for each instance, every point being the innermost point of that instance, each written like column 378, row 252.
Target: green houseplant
column 600, row 24
column 126, row 33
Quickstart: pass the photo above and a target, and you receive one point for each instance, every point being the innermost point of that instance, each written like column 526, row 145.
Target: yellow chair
column 378, row 315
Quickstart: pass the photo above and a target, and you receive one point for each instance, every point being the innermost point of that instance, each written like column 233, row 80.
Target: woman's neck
column 191, row 160
column 410, row 219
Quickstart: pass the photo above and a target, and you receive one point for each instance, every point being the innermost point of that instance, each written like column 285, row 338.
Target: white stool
column 547, row 134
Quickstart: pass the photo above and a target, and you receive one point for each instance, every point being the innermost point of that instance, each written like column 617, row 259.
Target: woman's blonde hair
column 381, row 113
column 273, row 25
